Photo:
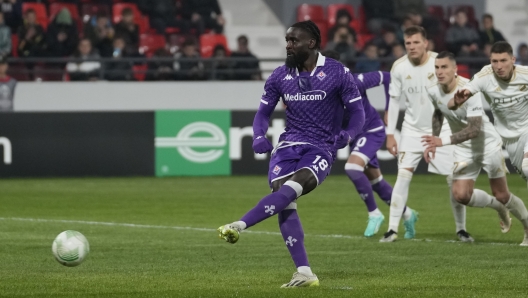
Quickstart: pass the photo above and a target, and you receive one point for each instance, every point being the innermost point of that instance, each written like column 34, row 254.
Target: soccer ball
column 70, row 248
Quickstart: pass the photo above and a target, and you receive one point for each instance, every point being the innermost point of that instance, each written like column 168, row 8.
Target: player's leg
column 407, row 162
column 459, row 214
column 523, row 140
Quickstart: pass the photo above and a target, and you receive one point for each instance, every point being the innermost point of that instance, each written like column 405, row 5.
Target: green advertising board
column 192, row 143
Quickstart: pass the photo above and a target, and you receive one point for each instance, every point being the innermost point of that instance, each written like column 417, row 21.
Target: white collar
column 320, row 62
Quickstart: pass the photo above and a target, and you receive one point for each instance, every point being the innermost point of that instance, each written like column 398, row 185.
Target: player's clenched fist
column 342, row 140
column 392, row 146
column 261, row 145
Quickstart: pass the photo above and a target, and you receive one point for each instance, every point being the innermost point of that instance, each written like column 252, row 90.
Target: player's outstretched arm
column 461, row 96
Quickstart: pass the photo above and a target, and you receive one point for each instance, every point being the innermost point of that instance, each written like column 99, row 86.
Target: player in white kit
column 410, row 76
column 477, row 145
column 505, row 87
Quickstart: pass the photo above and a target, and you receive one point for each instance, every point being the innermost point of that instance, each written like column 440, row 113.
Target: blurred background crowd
column 139, row 40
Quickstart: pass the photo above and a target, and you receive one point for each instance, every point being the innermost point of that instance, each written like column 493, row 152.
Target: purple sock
column 293, row 235
column 363, row 187
column 270, row 205
column 384, row 191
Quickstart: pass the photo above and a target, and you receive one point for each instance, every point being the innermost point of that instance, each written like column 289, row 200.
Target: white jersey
column 488, row 141
column 508, row 100
column 411, row 82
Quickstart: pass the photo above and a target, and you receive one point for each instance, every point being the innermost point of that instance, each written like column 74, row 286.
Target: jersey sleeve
column 476, row 84
column 474, row 105
column 395, row 83
column 271, row 95
column 349, row 90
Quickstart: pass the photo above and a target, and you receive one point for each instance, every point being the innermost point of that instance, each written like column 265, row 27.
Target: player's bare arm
column 471, row 131
column 433, row 141
column 461, row 96
column 438, row 120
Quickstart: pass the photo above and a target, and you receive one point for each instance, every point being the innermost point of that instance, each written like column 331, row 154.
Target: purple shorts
column 367, row 144
column 287, row 160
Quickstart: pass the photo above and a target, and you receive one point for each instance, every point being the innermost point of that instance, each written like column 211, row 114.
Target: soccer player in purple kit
column 362, row 166
column 316, row 90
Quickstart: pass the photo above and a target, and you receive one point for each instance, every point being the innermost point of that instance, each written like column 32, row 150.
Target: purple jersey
column 315, row 103
column 366, row 81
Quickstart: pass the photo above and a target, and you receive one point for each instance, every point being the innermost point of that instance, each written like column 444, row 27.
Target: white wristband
column 446, row 140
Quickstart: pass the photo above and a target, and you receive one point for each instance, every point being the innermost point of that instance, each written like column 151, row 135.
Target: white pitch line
column 129, row 225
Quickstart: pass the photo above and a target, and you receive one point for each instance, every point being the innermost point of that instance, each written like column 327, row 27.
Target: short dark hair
column 312, row 29
column 461, row 10
column 487, row 16
column 243, row 39
column 446, row 54
column 343, row 13
column 415, row 30
column 502, row 47
column 127, row 11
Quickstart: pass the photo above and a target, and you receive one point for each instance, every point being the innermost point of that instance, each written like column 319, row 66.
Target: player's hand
column 342, row 140
column 392, row 146
column 461, row 96
column 262, row 145
column 429, row 154
column 432, row 141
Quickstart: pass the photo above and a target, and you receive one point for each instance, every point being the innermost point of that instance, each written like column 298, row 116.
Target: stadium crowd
column 177, row 34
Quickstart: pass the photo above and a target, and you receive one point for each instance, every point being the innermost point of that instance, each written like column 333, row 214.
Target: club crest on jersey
column 321, row 75
column 276, row 170
column 430, row 76
column 522, row 88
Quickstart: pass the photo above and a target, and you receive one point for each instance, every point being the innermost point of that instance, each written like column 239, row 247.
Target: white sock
column 240, row 224
column 376, row 212
column 525, row 167
column 459, row 210
column 481, row 199
column 407, row 213
column 399, row 197
column 305, row 270
column 517, row 208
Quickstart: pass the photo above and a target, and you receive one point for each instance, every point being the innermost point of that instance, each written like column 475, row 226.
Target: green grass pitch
column 156, row 238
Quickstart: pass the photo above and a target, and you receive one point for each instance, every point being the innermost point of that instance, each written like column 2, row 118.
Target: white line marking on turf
column 129, row 225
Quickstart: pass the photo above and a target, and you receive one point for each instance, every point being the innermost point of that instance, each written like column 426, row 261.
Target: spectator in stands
column 406, row 23
column 160, row 70
column 164, row 14
column 12, row 10
column 88, row 69
column 522, row 54
column 128, row 30
column 204, row 14
column 369, row 61
column 432, row 27
column 403, row 7
column 7, row 87
column 385, row 42
column 343, row 19
column 119, row 69
column 221, row 66
column 398, row 51
column 343, row 43
column 431, row 45
column 489, row 34
column 379, row 14
column 187, row 64
column 461, row 38
column 101, row 34
column 5, row 37
column 31, row 39
column 248, row 69
column 62, row 37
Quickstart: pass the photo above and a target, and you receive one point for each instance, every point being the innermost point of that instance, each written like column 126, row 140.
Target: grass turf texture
column 159, row 260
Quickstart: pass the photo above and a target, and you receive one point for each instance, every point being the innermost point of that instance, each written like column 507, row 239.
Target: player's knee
column 463, row 196
column 405, row 173
column 306, row 179
column 524, row 167
column 501, row 195
column 354, row 171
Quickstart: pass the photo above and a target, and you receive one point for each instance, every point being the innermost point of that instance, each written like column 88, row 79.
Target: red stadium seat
column 14, row 45
column 436, row 11
column 140, row 72
column 40, row 11
column 332, row 9
column 19, row 72
column 88, row 10
column 363, row 39
column 362, row 21
column 209, row 41
column 141, row 21
column 148, row 43
column 310, row 12
column 463, row 71
column 56, row 7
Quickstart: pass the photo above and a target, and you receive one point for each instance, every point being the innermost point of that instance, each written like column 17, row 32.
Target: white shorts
column 411, row 152
column 465, row 168
column 516, row 148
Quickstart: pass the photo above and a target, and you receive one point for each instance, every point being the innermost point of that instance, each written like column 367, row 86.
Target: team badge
column 430, row 76
column 276, row 170
column 522, row 88
column 321, row 75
